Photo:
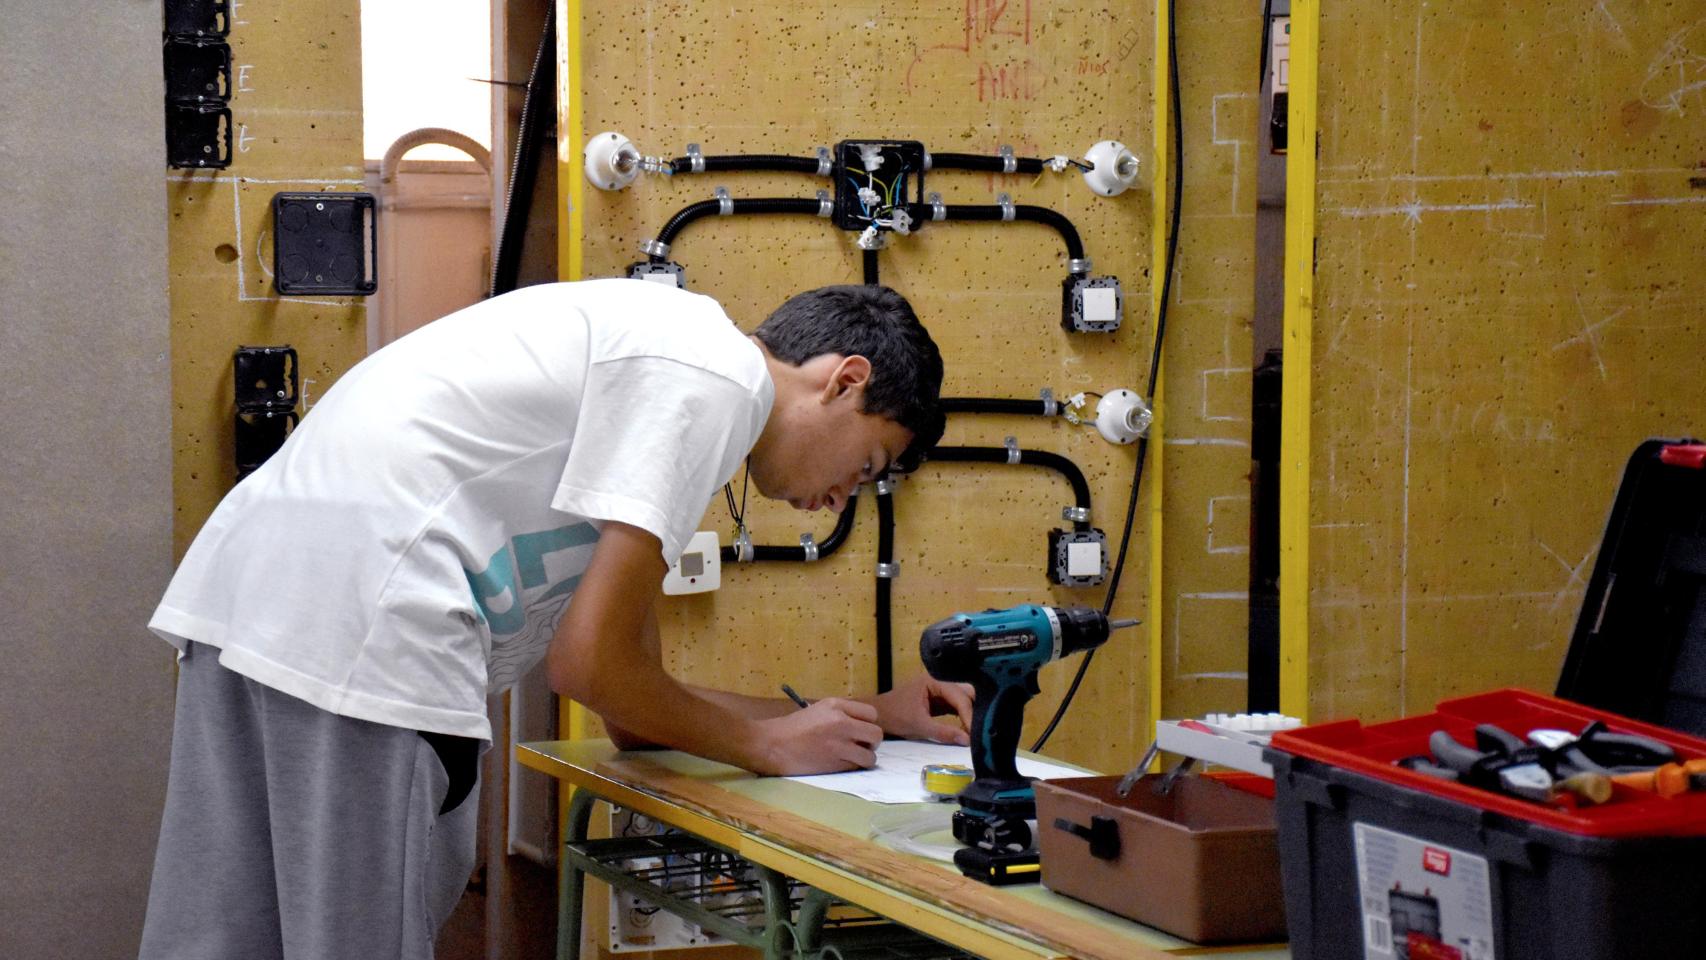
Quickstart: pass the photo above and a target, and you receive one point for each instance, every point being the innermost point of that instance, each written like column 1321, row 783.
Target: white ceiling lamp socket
column 611, row 161
column 1114, row 169
column 1122, row 417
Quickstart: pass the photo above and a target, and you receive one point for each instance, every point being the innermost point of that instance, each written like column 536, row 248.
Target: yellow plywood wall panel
column 296, row 107
column 1204, row 611
column 1512, row 201
column 1047, row 78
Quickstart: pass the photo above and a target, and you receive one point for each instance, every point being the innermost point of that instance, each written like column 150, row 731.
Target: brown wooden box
column 1201, row 863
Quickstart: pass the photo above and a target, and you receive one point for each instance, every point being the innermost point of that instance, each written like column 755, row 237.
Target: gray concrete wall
column 85, row 481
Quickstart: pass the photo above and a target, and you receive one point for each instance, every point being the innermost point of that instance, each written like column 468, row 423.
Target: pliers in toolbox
column 1503, row 762
column 1598, row 750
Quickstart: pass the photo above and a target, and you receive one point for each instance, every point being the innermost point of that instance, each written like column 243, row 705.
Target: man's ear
column 851, row 373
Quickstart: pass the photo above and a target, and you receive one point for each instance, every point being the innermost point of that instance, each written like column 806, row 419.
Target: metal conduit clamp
column 888, row 571
column 695, row 159
column 825, row 206
column 1078, row 265
column 938, row 209
column 743, row 545
column 808, row 543
column 1050, row 407
column 825, row 162
column 1012, row 444
column 725, row 203
column 886, row 486
column 1075, row 514
column 1005, row 202
column 1009, row 163
column 655, row 248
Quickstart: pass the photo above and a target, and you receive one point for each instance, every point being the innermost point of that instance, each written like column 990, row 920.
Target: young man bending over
column 506, row 484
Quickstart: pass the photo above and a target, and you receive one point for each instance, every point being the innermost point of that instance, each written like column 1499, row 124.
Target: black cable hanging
column 1154, row 357
column 506, row 264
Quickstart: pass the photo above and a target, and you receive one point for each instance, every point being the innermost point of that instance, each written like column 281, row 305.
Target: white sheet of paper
column 896, row 777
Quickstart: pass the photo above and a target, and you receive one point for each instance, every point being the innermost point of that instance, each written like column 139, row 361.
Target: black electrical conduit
column 1154, row 356
column 885, row 586
column 844, row 523
column 886, row 569
column 985, row 162
column 706, row 208
column 1018, row 456
column 530, row 131
column 748, row 161
column 989, row 163
column 825, row 547
column 993, row 212
column 1029, row 408
column 920, row 212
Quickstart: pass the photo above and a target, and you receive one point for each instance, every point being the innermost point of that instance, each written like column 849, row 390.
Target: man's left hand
column 910, row 710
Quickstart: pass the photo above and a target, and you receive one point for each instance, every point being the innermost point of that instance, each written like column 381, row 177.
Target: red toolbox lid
column 1370, row 750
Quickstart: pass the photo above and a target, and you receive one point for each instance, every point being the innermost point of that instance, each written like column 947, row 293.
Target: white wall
column 85, row 482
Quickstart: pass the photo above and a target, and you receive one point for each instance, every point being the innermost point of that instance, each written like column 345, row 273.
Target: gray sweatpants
column 297, row 834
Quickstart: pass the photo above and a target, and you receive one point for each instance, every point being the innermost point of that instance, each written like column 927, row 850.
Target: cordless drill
column 999, row 653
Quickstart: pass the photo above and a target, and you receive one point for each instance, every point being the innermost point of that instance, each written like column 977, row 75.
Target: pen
column 802, row 701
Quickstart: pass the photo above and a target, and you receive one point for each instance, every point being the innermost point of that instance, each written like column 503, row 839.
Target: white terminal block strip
column 1229, row 739
column 699, row 569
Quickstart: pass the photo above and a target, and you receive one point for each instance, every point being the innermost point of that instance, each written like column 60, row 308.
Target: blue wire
column 862, row 208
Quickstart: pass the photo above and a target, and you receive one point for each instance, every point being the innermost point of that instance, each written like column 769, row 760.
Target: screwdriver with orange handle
column 1669, row 780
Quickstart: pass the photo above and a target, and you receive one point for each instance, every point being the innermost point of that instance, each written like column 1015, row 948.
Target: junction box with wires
column 872, row 178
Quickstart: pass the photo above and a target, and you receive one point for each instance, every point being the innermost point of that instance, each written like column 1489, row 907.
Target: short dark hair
column 878, row 324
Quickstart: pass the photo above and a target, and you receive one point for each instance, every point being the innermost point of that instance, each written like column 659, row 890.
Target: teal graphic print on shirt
column 524, row 556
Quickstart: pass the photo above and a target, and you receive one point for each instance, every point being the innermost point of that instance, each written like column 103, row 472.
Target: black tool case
column 1640, row 643
column 1382, row 863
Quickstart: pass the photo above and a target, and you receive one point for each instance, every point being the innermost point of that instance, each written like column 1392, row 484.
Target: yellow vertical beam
column 571, row 190
column 1159, row 130
column 1299, row 329
column 571, row 185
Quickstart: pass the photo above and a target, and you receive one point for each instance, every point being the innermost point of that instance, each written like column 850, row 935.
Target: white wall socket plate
column 699, row 569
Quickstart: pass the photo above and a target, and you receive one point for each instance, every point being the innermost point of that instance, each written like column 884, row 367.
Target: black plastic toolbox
column 1371, row 852
column 1639, row 648
column 1384, row 863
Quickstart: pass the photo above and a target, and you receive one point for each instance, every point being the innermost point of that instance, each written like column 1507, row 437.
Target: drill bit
column 1122, row 624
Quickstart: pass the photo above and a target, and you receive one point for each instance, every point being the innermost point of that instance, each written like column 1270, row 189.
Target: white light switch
column 1101, row 305
column 1083, row 559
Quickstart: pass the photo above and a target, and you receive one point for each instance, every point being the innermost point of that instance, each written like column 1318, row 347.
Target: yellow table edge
column 963, row 931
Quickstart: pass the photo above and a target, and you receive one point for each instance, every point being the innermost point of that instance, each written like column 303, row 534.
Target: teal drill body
column 1000, row 652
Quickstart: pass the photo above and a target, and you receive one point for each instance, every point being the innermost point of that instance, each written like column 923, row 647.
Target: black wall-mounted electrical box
column 887, row 169
column 265, row 393
column 324, row 243
column 197, row 18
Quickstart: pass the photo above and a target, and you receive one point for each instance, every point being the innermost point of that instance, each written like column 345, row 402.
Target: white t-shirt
column 413, row 544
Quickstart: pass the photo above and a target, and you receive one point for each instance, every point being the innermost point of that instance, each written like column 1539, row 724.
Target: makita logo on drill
column 1436, row 861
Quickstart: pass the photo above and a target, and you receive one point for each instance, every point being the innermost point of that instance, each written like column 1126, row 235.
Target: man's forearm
column 753, row 708
column 606, row 655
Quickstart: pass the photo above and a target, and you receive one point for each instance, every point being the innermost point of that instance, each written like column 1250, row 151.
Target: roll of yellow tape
column 944, row 781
